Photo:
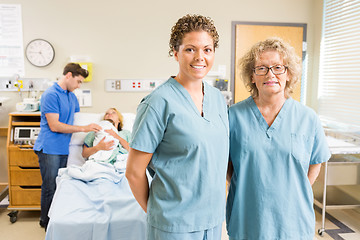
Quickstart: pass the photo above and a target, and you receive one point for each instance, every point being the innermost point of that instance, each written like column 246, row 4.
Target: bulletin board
column 11, row 41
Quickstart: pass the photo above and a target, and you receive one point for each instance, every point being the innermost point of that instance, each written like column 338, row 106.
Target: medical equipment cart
column 23, row 167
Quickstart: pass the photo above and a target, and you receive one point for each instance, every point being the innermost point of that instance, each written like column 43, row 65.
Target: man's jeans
column 49, row 166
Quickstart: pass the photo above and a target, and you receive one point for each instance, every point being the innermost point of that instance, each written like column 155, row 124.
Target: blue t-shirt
column 190, row 154
column 270, row 196
column 60, row 101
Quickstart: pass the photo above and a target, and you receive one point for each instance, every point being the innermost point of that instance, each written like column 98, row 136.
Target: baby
column 104, row 155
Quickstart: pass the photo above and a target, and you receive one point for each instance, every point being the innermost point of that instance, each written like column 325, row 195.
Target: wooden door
column 245, row 35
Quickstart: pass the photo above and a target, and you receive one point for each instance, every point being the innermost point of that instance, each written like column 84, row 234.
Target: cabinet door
column 24, row 177
column 20, row 196
column 22, row 157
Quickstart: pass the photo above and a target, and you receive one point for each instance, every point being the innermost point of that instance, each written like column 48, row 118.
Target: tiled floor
column 338, row 221
column 27, row 226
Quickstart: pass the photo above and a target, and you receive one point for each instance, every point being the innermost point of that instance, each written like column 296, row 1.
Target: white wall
column 129, row 39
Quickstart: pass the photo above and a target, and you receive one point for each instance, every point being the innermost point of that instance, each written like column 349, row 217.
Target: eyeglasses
column 263, row 70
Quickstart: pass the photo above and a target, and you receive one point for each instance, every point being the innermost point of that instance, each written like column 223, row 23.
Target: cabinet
column 23, row 166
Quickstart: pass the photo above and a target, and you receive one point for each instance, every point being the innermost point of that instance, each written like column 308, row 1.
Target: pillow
column 128, row 122
column 75, row 157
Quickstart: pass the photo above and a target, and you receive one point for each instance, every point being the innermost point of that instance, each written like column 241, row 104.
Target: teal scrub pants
column 208, row 234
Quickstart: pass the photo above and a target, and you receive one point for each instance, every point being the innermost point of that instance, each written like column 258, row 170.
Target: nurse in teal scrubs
column 181, row 134
column 277, row 146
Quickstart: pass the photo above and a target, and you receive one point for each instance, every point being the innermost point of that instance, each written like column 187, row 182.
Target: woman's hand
column 102, row 145
column 112, row 133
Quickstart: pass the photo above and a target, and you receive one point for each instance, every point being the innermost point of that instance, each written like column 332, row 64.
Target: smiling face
column 270, row 84
column 112, row 115
column 195, row 56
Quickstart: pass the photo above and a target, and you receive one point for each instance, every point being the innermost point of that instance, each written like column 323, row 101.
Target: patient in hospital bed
column 93, row 199
column 105, row 151
column 103, row 142
column 111, row 144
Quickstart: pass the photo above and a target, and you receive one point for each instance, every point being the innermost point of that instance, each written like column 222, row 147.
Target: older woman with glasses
column 277, row 146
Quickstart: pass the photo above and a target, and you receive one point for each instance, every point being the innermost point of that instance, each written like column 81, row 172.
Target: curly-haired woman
column 277, row 146
column 181, row 133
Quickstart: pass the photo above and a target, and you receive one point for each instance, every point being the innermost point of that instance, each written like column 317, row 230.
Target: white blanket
column 92, row 170
column 94, row 207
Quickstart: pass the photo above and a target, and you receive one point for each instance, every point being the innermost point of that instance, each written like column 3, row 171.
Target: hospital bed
column 96, row 207
column 342, row 169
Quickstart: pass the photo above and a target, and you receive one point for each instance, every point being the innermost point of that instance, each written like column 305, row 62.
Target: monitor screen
column 24, row 133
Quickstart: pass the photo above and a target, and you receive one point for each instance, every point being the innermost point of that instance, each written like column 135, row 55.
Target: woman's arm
column 122, row 141
column 313, row 172
column 102, row 145
column 136, row 175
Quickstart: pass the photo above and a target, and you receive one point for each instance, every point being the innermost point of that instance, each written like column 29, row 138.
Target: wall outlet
column 25, row 84
column 131, row 85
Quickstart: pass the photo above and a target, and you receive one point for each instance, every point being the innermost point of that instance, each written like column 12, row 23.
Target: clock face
column 40, row 53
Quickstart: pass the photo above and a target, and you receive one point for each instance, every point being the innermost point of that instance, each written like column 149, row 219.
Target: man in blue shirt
column 58, row 106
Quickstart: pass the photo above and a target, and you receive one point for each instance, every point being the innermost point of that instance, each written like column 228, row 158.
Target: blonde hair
column 121, row 118
column 286, row 52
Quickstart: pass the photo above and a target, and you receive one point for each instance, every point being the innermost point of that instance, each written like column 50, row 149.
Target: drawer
column 25, row 196
column 22, row 157
column 25, row 177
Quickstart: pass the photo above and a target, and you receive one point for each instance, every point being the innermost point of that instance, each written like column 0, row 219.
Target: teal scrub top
column 270, row 196
column 190, row 155
column 125, row 134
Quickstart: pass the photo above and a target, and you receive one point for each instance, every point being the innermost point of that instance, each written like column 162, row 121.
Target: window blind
column 339, row 75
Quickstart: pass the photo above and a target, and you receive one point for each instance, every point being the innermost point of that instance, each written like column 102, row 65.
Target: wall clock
column 40, row 52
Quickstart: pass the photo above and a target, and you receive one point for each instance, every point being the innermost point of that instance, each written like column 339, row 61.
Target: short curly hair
column 287, row 53
column 191, row 23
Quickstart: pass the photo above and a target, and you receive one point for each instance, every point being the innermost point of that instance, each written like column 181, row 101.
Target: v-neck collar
column 187, row 96
column 277, row 122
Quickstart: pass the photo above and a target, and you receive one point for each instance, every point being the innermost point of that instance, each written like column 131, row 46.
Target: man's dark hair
column 75, row 70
